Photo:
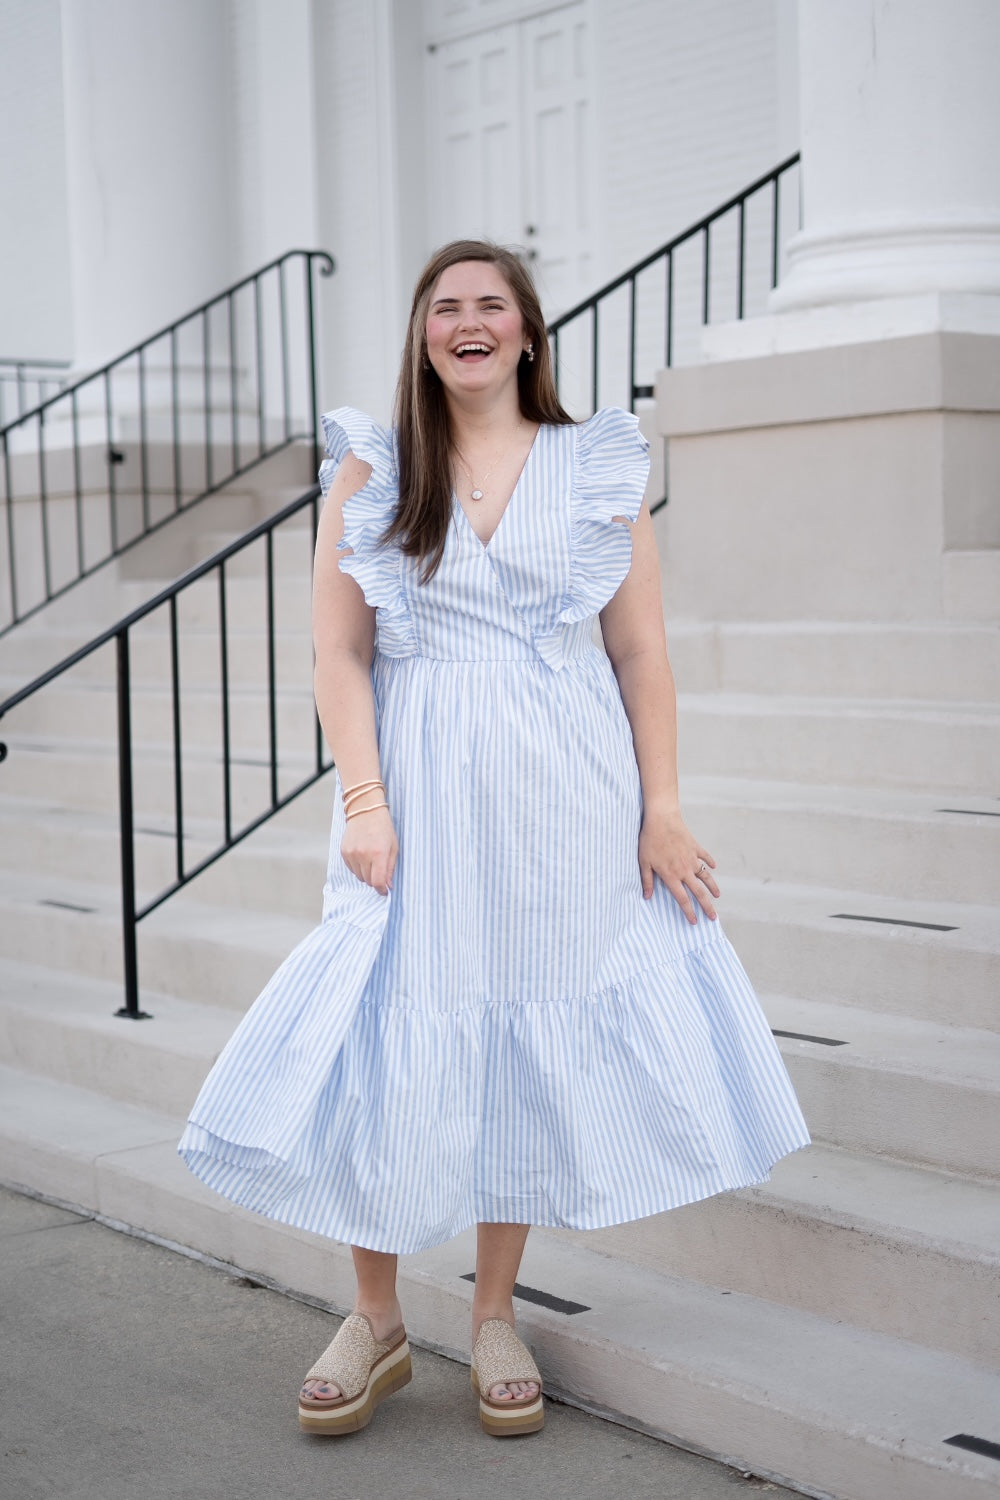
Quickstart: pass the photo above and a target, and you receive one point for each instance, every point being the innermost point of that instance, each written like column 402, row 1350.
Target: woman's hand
column 669, row 850
column 369, row 849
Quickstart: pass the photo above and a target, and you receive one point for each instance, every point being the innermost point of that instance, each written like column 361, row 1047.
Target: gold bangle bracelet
column 359, row 810
column 366, row 791
column 361, row 786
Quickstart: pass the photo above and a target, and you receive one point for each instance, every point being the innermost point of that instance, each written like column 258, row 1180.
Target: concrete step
column 84, row 846
column 878, row 1244
column 938, row 661
column 891, row 1086
column 90, row 710
column 832, row 1410
column 245, row 607
column 149, row 658
column 857, row 838
column 188, row 537
column 87, row 777
column 292, row 549
column 186, row 948
column 842, row 742
column 65, row 1027
column 793, row 941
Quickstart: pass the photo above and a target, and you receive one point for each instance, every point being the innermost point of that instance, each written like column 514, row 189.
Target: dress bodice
column 556, row 558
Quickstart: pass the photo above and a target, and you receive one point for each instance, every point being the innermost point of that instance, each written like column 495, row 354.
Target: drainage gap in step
column 854, row 916
column 803, row 1036
column 971, row 812
column 540, row 1299
column 88, row 911
column 975, row 1444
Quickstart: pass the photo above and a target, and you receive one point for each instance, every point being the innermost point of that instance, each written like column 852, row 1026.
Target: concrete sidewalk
column 129, row 1370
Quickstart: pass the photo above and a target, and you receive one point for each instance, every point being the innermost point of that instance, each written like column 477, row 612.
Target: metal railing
column 26, row 383
column 93, row 469
column 608, row 348
column 269, row 781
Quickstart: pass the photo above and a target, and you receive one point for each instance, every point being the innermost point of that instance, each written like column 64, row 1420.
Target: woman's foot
column 362, row 1369
column 385, row 1323
column 510, row 1389
column 507, row 1381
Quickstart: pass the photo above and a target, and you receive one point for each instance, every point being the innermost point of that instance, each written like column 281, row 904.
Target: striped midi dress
column 514, row 1034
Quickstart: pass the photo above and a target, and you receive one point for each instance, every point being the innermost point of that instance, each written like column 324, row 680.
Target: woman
column 519, row 1008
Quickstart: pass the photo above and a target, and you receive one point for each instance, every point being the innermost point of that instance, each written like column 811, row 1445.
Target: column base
column 831, row 483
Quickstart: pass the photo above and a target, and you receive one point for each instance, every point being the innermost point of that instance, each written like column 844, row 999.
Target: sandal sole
column 391, row 1373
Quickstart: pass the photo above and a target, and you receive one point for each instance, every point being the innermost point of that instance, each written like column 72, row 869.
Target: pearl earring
column 530, row 352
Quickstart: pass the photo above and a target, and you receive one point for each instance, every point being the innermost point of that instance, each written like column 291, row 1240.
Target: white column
column 149, row 179
column 900, row 109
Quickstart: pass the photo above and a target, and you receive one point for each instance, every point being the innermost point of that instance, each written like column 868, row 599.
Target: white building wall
column 694, row 101
column 35, row 307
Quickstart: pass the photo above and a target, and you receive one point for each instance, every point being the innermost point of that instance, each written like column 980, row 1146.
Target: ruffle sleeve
column 375, row 567
column 610, row 472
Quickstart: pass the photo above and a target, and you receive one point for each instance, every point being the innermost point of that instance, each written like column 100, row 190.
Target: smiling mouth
column 467, row 351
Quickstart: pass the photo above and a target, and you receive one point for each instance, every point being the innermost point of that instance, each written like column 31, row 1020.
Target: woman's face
column 475, row 332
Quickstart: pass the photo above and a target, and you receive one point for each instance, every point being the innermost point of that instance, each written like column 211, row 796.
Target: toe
column 320, row 1390
column 514, row 1390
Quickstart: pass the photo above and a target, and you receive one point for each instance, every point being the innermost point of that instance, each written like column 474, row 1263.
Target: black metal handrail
column 614, row 327
column 33, row 380
column 237, row 382
column 275, row 797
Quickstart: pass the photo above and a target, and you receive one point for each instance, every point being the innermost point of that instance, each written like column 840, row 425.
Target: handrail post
column 126, row 832
column 8, row 480
column 313, row 384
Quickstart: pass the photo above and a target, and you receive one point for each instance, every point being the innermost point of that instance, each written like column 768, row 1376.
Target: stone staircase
column 832, row 1329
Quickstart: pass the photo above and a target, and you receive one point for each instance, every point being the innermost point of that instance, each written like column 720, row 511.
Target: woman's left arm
column 635, row 640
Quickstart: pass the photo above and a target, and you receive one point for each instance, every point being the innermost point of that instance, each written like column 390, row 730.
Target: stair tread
column 876, row 1194
column 189, row 1028
column 852, row 802
column 183, row 915
column 907, row 710
column 974, row 927
column 965, row 1055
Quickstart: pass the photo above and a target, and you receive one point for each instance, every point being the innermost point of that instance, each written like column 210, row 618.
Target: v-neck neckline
column 510, row 498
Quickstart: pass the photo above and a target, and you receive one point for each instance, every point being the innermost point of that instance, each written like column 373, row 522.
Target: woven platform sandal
column 364, row 1368
column 499, row 1357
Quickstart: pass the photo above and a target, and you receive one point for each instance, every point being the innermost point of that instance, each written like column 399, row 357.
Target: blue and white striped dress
column 514, row 1035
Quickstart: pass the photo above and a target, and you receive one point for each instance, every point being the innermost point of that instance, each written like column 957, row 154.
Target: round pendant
column 477, row 494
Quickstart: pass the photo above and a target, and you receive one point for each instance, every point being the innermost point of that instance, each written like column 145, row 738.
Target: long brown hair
column 420, row 525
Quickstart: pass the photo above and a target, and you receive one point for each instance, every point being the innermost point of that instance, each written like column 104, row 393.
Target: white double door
column 510, row 122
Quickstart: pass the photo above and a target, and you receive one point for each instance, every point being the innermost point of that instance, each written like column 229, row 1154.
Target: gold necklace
column 478, row 491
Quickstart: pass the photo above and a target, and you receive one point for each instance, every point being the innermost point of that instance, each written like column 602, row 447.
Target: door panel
column 475, row 137
column 509, row 140
column 556, row 89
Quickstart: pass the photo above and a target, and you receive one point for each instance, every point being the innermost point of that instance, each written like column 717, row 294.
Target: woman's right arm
column 344, row 641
